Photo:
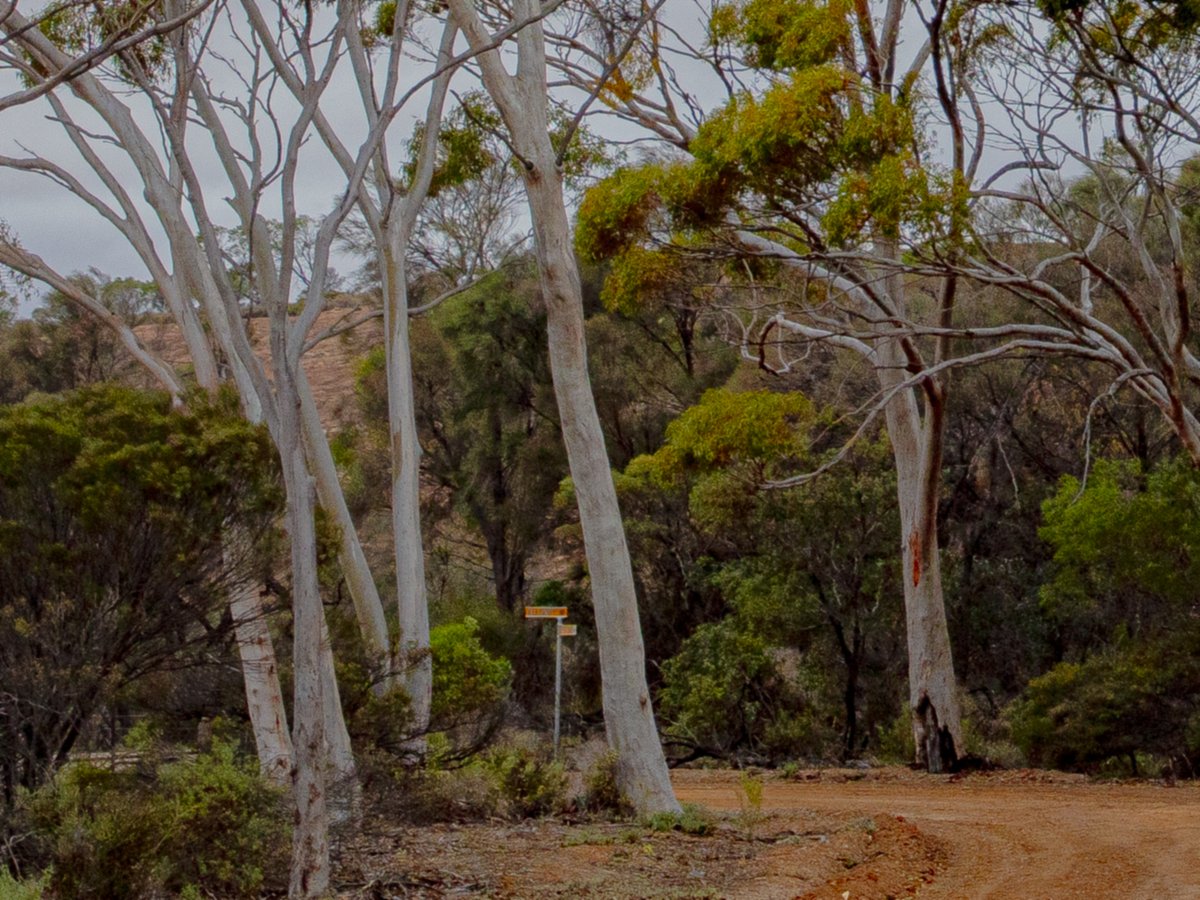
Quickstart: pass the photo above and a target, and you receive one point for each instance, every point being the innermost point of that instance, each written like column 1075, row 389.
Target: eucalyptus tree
column 389, row 205
column 192, row 98
column 522, row 101
column 1101, row 238
column 815, row 176
column 118, row 29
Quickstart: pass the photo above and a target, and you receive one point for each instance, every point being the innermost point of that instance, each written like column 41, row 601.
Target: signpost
column 561, row 631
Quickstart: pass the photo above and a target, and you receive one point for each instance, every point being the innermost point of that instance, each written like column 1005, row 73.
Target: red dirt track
column 1012, row 835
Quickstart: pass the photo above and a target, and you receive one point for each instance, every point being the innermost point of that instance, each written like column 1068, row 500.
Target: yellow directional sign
column 545, row 612
column 566, row 630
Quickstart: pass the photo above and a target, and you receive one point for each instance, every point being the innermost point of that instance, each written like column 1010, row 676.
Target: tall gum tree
column 389, row 207
column 523, row 103
column 181, row 93
column 821, row 172
column 1101, row 238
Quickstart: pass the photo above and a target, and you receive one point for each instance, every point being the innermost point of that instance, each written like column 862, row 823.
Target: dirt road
column 1016, row 835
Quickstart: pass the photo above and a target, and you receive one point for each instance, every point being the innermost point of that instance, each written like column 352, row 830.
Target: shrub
column 1137, row 698
column 469, row 684
column 210, row 825
column 601, row 792
column 12, row 889
column 692, row 819
column 423, row 796
column 725, row 693
column 529, row 784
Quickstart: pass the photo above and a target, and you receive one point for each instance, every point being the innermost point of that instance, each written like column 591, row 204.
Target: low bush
column 726, row 694
column 1132, row 700
column 203, row 826
column 529, row 784
column 692, row 819
column 601, row 793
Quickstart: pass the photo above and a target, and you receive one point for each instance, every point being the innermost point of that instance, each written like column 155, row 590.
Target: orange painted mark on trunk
column 914, row 548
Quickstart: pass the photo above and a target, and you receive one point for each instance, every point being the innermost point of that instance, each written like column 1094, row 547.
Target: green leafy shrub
column 529, row 784
column 210, row 825
column 601, row 793
column 12, row 889
column 692, row 819
column 1134, row 698
column 382, row 721
column 724, row 693
column 469, row 683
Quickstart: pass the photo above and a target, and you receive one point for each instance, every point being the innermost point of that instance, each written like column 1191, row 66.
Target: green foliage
column 897, row 744
column 209, row 825
column 616, row 212
column 692, row 819
column 464, row 142
column 1126, row 550
column 750, row 800
column 380, row 721
column 113, row 514
column 77, row 29
column 725, row 692
column 728, row 428
column 468, row 682
column 601, row 793
column 1136, row 697
column 529, row 783
column 60, row 347
column 27, row 889
column 796, row 34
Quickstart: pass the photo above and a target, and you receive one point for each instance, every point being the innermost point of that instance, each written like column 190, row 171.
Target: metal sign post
column 561, row 630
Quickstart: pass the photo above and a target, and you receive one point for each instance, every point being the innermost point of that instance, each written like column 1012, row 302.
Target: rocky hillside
column 330, row 364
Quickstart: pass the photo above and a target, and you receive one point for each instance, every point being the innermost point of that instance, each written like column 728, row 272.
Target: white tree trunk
column 412, row 604
column 523, row 102
column 310, row 836
column 628, row 712
column 368, row 607
column 344, row 789
column 916, row 448
column 264, row 697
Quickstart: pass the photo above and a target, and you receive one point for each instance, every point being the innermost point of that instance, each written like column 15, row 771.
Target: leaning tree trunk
column 264, row 698
column 523, row 102
column 628, row 712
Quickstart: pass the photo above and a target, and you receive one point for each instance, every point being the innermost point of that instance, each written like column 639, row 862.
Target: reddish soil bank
column 1007, row 835
column 821, row 835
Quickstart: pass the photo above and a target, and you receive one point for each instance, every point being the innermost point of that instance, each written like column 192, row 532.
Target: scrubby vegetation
column 829, row 443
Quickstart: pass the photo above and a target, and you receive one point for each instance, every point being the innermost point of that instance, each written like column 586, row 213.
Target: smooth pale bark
column 343, row 787
column 310, row 835
column 368, row 607
column 915, row 415
column 264, row 697
column 628, row 713
column 917, row 434
column 412, row 603
column 933, row 693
